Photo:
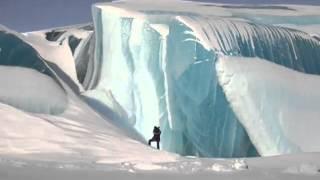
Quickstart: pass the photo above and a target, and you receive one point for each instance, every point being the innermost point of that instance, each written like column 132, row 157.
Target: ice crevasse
column 217, row 86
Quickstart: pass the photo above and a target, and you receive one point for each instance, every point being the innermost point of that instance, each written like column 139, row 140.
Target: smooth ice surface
column 167, row 76
column 276, row 111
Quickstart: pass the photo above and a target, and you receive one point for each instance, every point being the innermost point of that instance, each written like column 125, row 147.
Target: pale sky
column 28, row 15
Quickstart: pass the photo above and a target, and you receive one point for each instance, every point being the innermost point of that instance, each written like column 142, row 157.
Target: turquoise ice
column 160, row 67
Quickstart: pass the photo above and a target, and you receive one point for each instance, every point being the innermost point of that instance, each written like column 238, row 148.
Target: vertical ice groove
column 164, row 69
column 163, row 31
column 164, row 56
column 199, row 34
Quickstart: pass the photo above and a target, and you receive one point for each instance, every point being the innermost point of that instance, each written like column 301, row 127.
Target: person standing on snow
column 156, row 136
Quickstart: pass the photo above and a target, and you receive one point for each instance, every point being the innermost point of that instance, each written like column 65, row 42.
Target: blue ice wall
column 290, row 48
column 129, row 73
column 163, row 80
column 286, row 47
column 203, row 123
column 169, row 78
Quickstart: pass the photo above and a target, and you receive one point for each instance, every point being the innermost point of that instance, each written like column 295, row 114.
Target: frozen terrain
column 234, row 89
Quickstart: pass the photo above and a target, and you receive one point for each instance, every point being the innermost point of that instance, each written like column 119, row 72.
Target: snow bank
column 23, row 133
column 29, row 90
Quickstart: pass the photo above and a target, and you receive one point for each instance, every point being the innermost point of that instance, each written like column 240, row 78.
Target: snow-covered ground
column 298, row 166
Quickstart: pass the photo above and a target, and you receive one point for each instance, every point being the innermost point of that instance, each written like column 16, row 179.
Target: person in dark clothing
column 156, row 136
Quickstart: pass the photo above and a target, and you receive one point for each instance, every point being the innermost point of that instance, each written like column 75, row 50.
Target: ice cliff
column 159, row 63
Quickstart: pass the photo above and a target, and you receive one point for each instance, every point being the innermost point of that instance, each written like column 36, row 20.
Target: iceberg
column 159, row 64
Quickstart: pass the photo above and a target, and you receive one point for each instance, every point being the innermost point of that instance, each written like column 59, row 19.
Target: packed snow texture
column 31, row 91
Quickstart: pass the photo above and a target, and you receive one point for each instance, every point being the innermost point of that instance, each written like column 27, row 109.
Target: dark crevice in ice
column 54, row 35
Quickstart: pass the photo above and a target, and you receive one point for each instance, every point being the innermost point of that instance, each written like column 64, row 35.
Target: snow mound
column 29, row 90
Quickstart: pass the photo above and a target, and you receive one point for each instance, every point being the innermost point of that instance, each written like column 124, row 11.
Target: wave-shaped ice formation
column 159, row 65
column 275, row 111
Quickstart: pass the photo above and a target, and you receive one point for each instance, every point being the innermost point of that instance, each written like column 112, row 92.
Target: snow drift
column 31, row 91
